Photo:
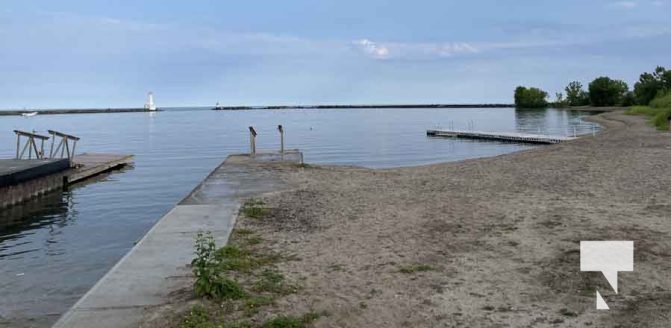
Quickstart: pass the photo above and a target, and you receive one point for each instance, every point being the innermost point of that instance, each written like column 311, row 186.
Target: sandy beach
column 490, row 242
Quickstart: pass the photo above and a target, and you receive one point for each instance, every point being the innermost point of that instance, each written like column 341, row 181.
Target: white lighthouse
column 150, row 102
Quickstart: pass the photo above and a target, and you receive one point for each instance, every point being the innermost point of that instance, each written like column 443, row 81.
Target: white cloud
column 626, row 4
column 373, row 49
column 416, row 50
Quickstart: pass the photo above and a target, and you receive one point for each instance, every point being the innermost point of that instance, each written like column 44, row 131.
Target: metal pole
column 574, row 131
column 18, row 144
column 74, row 145
column 593, row 130
column 42, row 149
column 252, row 140
column 51, row 151
column 67, row 146
column 30, row 147
column 64, row 143
column 279, row 128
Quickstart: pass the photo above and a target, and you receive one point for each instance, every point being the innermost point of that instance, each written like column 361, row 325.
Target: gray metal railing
column 30, row 144
column 63, row 146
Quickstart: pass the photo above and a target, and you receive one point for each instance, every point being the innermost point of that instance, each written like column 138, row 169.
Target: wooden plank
column 88, row 165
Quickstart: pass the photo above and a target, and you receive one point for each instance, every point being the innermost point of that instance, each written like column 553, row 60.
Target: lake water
column 54, row 249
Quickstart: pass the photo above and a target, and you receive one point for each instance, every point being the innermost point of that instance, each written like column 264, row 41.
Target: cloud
column 413, row 50
column 625, row 4
column 372, row 49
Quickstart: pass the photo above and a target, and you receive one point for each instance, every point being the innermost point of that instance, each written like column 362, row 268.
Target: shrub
column 575, row 95
column 206, row 267
column 649, row 85
column 663, row 100
column 604, row 91
column 530, row 97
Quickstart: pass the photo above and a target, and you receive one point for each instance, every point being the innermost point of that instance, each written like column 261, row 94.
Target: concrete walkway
column 159, row 264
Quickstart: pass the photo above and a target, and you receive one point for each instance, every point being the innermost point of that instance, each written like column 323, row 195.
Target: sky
column 87, row 53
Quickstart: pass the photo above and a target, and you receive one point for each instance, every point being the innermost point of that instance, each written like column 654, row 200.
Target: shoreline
column 477, row 242
column 15, row 112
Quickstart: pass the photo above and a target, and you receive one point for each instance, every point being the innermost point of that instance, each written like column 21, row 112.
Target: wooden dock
column 23, row 179
column 88, row 165
column 500, row 136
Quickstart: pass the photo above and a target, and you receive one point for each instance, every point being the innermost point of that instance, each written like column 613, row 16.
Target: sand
column 492, row 242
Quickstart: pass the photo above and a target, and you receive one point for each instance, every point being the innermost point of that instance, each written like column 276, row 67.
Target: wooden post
column 279, row 128
column 18, row 144
column 252, row 140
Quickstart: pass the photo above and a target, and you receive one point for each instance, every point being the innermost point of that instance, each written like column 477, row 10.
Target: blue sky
column 110, row 53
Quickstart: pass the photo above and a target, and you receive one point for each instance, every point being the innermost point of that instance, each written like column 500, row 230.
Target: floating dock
column 87, row 165
column 500, row 136
column 23, row 179
column 159, row 264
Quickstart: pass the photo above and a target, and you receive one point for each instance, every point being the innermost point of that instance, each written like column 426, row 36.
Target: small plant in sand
column 254, row 208
column 289, row 321
column 238, row 281
column 206, row 267
column 198, row 317
column 415, row 268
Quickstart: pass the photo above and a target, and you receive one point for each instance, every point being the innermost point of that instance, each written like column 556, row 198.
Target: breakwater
column 72, row 111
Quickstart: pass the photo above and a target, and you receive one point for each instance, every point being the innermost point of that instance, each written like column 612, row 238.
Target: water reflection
column 49, row 213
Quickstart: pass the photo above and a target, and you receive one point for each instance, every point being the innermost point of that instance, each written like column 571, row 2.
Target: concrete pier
column 159, row 264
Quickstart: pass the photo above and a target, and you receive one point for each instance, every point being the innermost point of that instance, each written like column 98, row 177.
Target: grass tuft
column 662, row 101
column 273, row 282
column 198, row 317
column 254, row 208
column 289, row 321
column 415, row 268
column 659, row 117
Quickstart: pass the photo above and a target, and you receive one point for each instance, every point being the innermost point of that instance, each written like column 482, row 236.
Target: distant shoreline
column 368, row 106
column 275, row 107
column 72, row 111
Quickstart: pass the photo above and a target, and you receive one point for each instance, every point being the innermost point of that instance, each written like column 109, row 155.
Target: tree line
column 602, row 91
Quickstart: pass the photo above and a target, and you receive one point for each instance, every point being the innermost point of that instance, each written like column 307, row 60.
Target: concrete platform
column 159, row 264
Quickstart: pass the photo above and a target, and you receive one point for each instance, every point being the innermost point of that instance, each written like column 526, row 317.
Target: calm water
column 54, row 249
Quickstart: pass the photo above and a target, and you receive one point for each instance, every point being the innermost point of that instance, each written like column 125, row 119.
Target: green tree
column 530, row 97
column 575, row 95
column 650, row 84
column 560, row 100
column 604, row 91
